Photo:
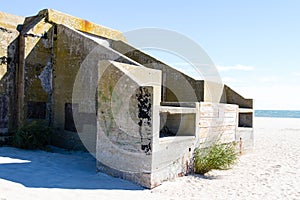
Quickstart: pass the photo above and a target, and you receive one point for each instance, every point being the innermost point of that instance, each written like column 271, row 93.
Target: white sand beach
column 271, row 171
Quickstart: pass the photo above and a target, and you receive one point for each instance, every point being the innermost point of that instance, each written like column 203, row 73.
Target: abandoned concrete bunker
column 141, row 118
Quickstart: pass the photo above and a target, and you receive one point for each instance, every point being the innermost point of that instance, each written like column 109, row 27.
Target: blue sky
column 255, row 44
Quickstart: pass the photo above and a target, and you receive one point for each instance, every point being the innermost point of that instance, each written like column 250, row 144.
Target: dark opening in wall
column 69, row 120
column 177, row 125
column 245, row 120
column 36, row 110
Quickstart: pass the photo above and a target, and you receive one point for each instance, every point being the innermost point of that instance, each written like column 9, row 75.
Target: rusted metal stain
column 86, row 26
column 57, row 17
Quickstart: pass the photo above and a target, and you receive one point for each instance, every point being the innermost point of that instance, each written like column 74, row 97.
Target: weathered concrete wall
column 8, row 34
column 34, row 54
column 8, row 53
column 224, row 119
column 8, row 43
column 70, row 49
column 126, row 121
column 51, row 55
column 172, row 157
column 232, row 97
column 73, row 50
column 244, row 134
column 213, row 92
column 38, row 77
column 217, row 122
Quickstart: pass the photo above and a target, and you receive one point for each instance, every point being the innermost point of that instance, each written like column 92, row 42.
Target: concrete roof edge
column 57, row 17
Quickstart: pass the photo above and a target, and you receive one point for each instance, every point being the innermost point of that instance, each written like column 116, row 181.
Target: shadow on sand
column 63, row 169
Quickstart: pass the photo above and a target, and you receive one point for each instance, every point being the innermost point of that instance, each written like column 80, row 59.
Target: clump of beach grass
column 215, row 157
column 32, row 135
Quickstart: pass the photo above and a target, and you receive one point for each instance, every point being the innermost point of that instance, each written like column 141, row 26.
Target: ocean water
column 277, row 113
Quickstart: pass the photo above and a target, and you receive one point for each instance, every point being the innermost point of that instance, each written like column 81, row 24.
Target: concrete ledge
column 177, row 110
column 245, row 110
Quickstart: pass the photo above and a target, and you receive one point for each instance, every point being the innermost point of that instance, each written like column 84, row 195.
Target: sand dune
column 271, row 171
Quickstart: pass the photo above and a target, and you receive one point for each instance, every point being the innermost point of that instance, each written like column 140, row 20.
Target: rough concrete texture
column 141, row 118
column 8, row 48
column 72, row 52
column 8, row 34
column 218, row 122
column 126, row 127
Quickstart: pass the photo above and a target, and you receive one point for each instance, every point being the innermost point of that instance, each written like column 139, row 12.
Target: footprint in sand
column 276, row 166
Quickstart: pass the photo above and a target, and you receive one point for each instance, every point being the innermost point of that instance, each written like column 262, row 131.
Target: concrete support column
column 20, row 83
